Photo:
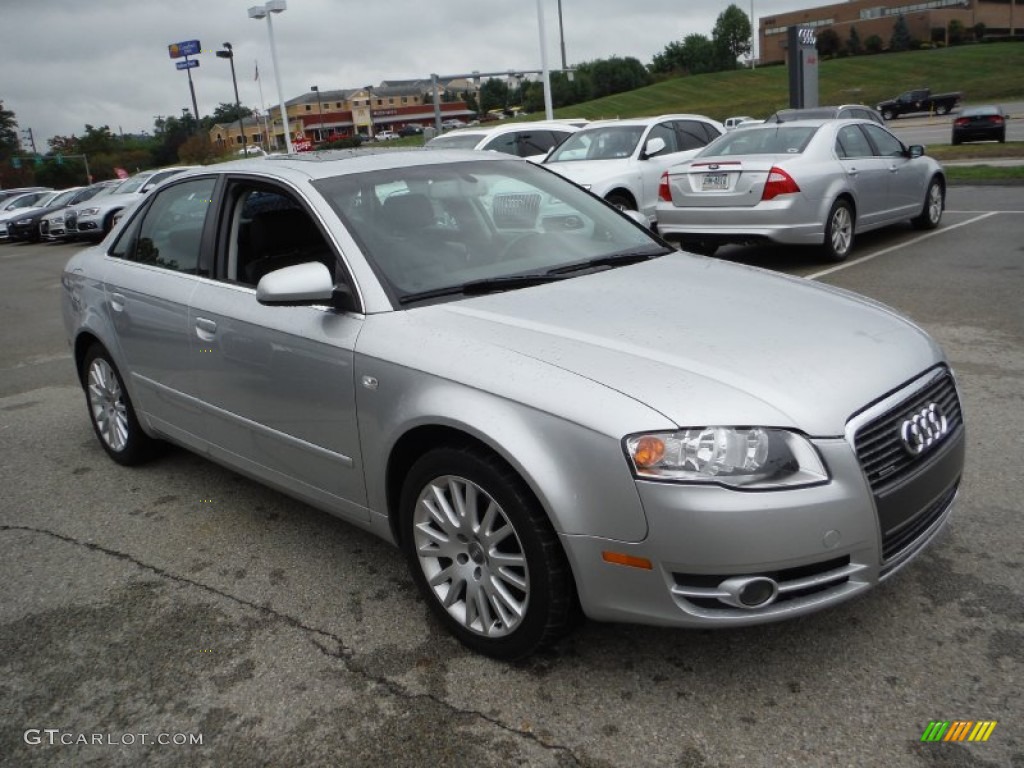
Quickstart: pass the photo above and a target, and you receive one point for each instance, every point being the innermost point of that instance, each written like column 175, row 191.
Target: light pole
column 265, row 11
column 561, row 34
column 369, row 108
column 319, row 111
column 545, row 74
column 753, row 37
column 229, row 54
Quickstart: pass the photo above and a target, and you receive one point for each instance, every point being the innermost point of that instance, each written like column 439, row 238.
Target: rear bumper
column 777, row 221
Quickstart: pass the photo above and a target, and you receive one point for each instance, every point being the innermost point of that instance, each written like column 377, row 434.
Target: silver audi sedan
column 807, row 182
column 548, row 409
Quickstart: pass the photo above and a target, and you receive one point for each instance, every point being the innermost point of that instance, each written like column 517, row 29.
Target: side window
column 169, row 232
column 538, row 142
column 692, row 134
column 886, row 144
column 506, row 143
column 664, row 131
column 851, row 142
column 270, row 229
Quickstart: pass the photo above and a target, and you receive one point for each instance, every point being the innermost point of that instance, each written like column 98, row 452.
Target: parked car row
column 86, row 213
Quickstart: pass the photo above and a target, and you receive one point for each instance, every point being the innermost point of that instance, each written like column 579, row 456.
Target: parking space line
column 890, row 249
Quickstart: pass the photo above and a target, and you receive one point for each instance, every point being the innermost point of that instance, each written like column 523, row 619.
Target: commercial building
column 877, row 17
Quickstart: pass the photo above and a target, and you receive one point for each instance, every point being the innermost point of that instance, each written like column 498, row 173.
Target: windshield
column 456, row 141
column 134, row 183
column 604, row 143
column 25, row 201
column 64, row 197
column 459, row 227
column 777, row 139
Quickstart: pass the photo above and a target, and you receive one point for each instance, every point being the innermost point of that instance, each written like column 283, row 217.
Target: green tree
column 731, row 36
column 98, row 141
column 698, row 55
column 874, row 44
column 956, row 31
column 900, row 40
column 979, row 31
column 9, row 142
column 853, row 43
column 229, row 113
column 828, row 42
column 670, row 60
column 493, row 94
column 615, row 75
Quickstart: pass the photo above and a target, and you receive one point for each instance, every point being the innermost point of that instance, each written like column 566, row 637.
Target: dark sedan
column 986, row 123
column 27, row 227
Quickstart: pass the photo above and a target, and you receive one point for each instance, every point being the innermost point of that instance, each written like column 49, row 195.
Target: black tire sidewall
column 546, row 566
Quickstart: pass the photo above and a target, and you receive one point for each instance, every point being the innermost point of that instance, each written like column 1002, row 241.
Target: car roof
column 326, row 163
column 645, row 121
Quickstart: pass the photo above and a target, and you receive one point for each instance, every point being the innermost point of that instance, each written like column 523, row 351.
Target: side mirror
column 309, row 283
column 916, row 150
column 654, row 146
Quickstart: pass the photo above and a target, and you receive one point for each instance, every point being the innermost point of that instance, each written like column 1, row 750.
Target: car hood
column 704, row 342
column 109, row 201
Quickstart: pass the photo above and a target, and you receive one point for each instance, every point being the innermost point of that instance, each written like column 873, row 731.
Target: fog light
column 748, row 591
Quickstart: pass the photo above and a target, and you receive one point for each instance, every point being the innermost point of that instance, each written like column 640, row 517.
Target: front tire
column 934, row 203
column 888, row 114
column 621, row 201
column 111, row 411
column 484, row 554
column 839, row 229
column 941, row 109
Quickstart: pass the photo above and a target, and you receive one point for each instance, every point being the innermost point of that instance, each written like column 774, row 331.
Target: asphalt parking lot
column 180, row 601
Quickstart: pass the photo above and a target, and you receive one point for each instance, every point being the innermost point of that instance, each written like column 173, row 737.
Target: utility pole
column 31, row 139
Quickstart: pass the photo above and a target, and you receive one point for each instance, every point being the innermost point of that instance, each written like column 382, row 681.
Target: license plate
column 715, row 181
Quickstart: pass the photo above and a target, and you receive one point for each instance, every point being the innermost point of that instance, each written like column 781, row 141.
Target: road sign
column 187, row 64
column 184, row 48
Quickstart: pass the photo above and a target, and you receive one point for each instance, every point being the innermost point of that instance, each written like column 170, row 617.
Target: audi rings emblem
column 924, row 429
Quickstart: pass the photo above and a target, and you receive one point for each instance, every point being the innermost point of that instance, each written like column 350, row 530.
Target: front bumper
column 819, row 545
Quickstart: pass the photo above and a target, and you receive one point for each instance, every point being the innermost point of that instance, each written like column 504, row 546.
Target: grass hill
column 987, row 72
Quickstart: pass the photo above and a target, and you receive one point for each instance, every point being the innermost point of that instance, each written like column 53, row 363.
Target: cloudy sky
column 67, row 63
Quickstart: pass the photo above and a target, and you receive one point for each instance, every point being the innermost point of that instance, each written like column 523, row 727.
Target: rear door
column 158, row 260
column 867, row 174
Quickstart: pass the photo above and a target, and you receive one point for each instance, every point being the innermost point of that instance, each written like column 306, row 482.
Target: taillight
column 779, row 183
column 996, row 119
column 961, row 122
column 664, row 193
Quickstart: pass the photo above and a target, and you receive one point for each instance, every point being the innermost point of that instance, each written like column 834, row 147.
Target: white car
column 95, row 218
column 733, row 122
column 52, row 226
column 530, row 140
column 385, row 136
column 622, row 160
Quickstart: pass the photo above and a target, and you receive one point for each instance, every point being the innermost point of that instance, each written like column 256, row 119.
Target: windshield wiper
column 480, row 287
column 611, row 260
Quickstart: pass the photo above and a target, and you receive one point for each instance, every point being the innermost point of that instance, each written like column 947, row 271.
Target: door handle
column 206, row 329
column 852, row 171
column 117, row 302
column 894, row 169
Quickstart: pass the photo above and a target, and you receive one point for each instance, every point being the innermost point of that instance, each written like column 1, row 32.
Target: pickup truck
column 920, row 100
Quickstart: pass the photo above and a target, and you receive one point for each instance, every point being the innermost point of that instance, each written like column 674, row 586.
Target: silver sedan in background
column 522, row 387
column 807, row 182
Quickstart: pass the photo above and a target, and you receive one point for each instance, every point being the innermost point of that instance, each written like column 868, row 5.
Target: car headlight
column 88, row 211
column 741, row 457
column 23, row 222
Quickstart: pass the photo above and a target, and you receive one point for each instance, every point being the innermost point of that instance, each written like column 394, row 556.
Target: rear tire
column 700, row 247
column 483, row 553
column 888, row 114
column 941, row 109
column 839, row 230
column 934, row 203
column 111, row 411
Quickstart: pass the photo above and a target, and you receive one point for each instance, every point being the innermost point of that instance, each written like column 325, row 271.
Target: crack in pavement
column 342, row 653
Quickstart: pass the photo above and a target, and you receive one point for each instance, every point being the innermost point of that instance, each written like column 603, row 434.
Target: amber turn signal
column 648, row 451
column 633, row 562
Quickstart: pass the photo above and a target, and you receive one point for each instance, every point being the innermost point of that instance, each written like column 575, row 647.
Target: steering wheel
column 523, row 245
